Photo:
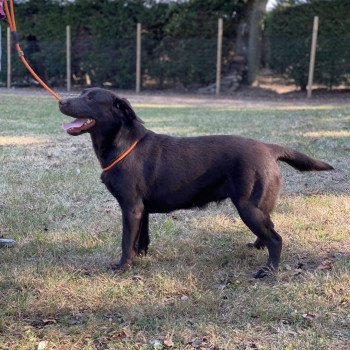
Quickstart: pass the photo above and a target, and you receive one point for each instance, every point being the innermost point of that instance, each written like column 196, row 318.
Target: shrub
column 178, row 40
column 289, row 30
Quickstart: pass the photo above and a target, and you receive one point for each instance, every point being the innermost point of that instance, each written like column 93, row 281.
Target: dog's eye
column 89, row 98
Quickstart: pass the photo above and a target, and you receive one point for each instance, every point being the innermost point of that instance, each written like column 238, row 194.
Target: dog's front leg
column 132, row 218
column 143, row 239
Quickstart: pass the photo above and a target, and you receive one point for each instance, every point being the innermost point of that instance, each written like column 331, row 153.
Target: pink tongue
column 76, row 124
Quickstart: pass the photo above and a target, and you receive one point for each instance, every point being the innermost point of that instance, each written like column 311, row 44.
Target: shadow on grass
column 191, row 281
column 91, row 256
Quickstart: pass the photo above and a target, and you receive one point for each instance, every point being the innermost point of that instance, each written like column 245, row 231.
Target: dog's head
column 96, row 109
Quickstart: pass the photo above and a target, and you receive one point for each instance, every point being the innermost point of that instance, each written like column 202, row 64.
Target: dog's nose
column 62, row 102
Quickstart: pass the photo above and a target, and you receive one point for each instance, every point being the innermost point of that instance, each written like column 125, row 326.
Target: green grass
column 196, row 285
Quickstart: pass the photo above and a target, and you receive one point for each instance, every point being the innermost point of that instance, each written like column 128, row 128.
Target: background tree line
column 288, row 30
column 179, row 40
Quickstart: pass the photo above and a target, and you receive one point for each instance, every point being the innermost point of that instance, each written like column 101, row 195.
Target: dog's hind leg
column 262, row 226
column 255, row 198
column 143, row 239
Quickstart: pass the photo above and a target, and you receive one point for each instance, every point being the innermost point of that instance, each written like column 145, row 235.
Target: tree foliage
column 289, row 30
column 178, row 39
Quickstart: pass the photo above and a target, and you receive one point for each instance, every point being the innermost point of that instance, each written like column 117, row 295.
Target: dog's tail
column 299, row 160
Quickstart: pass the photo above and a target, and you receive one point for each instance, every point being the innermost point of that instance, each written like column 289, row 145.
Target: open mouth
column 78, row 125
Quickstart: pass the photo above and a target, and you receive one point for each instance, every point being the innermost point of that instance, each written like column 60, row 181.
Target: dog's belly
column 186, row 198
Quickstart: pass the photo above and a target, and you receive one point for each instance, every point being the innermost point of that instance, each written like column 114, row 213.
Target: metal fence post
column 69, row 67
column 8, row 58
column 138, row 58
column 219, row 57
column 312, row 57
column 0, row 49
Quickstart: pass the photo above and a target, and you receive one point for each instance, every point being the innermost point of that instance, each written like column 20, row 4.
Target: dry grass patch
column 328, row 133
column 21, row 140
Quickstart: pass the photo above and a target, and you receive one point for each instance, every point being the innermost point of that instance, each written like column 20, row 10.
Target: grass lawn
column 195, row 289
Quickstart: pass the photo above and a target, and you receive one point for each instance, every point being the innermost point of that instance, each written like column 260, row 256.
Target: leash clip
column 20, row 53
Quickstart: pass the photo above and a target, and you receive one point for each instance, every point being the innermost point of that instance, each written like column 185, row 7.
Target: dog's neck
column 109, row 145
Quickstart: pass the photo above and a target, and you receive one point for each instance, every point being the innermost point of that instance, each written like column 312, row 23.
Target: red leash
column 121, row 157
column 10, row 13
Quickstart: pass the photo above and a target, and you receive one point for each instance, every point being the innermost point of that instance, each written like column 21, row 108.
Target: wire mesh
column 169, row 63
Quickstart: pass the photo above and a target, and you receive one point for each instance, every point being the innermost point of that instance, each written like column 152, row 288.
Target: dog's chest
column 110, row 184
column 119, row 184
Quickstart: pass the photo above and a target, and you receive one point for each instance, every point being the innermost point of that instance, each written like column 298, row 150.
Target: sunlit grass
column 21, row 140
column 159, row 106
column 328, row 133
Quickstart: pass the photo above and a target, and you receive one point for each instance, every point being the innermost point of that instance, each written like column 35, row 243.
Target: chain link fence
column 170, row 63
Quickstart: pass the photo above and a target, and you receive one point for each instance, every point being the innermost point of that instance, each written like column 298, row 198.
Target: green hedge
column 178, row 40
column 289, row 30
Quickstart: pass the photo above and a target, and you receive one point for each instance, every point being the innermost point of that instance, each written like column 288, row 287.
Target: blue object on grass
column 7, row 242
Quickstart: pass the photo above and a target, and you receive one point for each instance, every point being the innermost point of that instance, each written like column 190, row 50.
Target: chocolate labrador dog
column 154, row 173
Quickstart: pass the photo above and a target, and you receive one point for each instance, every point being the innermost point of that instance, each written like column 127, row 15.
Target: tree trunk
column 241, row 44
column 257, row 9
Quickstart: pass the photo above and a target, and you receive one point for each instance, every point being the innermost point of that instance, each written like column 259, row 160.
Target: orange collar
column 121, row 157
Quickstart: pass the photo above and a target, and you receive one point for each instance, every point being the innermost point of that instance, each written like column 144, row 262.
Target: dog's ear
column 123, row 105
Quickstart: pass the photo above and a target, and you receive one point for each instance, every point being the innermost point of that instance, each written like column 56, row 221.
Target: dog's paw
column 258, row 246
column 120, row 267
column 263, row 272
column 141, row 252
